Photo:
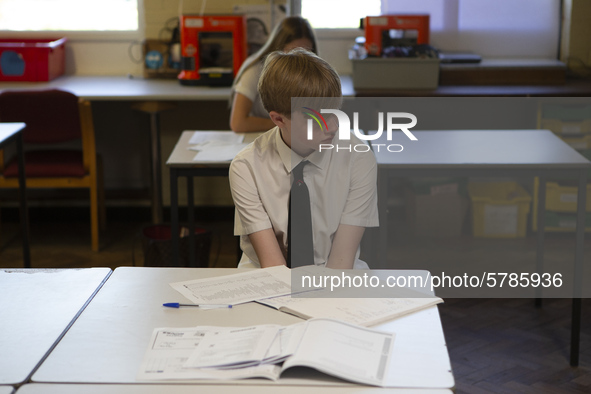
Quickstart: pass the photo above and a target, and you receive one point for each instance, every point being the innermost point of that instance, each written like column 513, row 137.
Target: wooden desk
column 37, row 307
column 227, row 388
column 491, row 153
column 107, row 342
column 9, row 133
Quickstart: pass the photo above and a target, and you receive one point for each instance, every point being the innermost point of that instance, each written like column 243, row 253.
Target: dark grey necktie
column 300, row 247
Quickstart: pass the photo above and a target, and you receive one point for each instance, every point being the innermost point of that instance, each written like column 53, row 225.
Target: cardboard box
column 499, row 209
column 439, row 215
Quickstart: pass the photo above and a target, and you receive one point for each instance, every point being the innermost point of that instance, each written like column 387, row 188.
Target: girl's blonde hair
column 288, row 30
column 298, row 73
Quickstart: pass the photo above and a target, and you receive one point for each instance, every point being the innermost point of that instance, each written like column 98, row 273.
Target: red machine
column 386, row 30
column 212, row 48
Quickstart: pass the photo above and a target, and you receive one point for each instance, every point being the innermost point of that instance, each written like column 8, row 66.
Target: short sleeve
column 247, row 85
column 361, row 208
column 249, row 207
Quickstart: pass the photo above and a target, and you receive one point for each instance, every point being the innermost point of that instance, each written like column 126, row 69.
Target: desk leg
column 191, row 213
column 578, row 274
column 22, row 183
column 174, row 215
column 381, row 260
column 541, row 221
column 156, row 170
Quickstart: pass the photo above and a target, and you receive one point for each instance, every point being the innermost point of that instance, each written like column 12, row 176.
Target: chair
column 54, row 118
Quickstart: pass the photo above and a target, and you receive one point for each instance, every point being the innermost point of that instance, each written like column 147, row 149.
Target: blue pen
column 177, row 305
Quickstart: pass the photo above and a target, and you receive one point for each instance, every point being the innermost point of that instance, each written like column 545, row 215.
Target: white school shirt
column 247, row 86
column 342, row 189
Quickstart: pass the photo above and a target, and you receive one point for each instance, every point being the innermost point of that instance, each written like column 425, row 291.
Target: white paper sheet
column 171, row 347
column 237, row 288
column 245, row 346
column 218, row 152
column 229, row 137
column 286, row 343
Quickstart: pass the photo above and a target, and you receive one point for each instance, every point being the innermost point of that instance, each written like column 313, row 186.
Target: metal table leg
column 541, row 220
column 578, row 274
column 174, row 215
column 24, row 212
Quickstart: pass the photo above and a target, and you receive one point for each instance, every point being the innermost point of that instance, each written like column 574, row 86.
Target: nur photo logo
column 344, row 132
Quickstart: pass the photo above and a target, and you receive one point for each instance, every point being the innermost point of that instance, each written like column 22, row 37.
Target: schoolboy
column 342, row 185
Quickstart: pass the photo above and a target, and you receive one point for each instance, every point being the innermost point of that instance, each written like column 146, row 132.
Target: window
column 491, row 28
column 69, row 15
column 324, row 14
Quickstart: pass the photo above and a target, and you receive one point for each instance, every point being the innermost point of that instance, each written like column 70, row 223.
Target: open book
column 362, row 311
column 350, row 352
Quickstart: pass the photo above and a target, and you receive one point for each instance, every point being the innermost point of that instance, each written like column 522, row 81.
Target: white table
column 36, row 308
column 108, row 341
column 490, row 153
column 227, row 388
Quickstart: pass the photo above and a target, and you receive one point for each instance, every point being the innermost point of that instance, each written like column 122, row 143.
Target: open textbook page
column 362, row 311
column 237, row 288
column 343, row 350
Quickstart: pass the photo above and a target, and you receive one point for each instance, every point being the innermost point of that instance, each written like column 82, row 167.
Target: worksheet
column 216, row 151
column 233, row 348
column 237, row 288
column 170, row 349
column 229, row 137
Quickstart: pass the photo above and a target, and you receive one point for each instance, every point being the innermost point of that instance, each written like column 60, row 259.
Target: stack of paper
column 216, row 145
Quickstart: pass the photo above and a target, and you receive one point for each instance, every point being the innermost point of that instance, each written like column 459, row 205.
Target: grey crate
column 396, row 73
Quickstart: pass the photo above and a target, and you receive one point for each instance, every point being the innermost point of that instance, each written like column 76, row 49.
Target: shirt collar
column 291, row 159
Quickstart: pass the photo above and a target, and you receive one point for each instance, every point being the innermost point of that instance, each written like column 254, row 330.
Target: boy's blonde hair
column 298, row 73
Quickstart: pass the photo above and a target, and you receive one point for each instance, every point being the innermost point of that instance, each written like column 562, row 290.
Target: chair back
column 51, row 116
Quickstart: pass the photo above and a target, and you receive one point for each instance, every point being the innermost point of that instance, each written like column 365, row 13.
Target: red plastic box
column 33, row 60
